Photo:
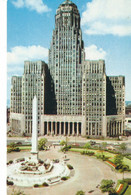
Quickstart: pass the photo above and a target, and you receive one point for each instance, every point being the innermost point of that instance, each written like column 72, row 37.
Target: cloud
column 107, row 17
column 36, row 5
column 94, row 53
column 18, row 54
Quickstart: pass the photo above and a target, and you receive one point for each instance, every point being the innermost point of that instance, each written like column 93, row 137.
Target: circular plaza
column 87, row 175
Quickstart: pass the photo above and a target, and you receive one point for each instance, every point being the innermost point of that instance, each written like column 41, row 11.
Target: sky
column 106, row 31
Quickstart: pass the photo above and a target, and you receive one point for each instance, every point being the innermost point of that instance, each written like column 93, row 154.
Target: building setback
column 94, row 96
column 75, row 96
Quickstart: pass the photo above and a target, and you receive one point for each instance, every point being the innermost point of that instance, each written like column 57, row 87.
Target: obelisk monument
column 34, row 151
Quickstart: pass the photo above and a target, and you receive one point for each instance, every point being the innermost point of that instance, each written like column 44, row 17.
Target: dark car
column 18, row 143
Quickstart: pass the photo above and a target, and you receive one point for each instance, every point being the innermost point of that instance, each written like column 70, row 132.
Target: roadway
column 71, row 140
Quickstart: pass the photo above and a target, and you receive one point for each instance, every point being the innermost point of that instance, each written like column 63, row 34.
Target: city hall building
column 75, row 96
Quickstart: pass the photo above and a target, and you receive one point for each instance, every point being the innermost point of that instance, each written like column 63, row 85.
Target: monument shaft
column 34, row 127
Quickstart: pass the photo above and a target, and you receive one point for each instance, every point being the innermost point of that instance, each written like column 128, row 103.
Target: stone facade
column 116, row 93
column 17, row 123
column 94, row 96
column 16, row 94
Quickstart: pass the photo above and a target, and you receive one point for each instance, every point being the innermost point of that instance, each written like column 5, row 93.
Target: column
column 55, row 128
column 68, row 128
column 119, row 127
column 47, row 127
column 60, row 128
column 52, row 133
column 117, row 133
column 108, row 129
column 64, row 128
column 43, row 128
column 77, row 128
column 73, row 132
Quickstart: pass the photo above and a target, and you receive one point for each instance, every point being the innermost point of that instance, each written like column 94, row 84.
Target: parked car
column 18, row 143
column 92, row 142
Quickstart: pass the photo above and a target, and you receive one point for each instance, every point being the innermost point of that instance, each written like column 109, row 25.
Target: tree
column 63, row 143
column 123, row 169
column 123, row 147
column 12, row 145
column 103, row 145
column 107, row 185
column 42, row 143
column 80, row 193
column 118, row 160
column 87, row 145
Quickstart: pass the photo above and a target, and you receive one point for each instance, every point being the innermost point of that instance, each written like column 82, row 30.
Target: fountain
column 31, row 170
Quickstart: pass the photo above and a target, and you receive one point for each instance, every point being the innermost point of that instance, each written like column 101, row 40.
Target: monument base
column 34, row 157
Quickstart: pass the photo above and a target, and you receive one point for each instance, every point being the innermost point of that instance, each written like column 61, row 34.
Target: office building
column 75, row 96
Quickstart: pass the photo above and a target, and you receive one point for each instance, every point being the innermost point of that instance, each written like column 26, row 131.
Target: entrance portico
column 62, row 125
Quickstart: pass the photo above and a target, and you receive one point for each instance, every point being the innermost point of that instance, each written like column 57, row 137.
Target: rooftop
column 67, row 2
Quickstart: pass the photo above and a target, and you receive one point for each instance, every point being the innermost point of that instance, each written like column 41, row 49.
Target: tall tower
column 66, row 55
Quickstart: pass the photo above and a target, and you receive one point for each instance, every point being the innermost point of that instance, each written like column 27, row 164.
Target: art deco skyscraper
column 66, row 55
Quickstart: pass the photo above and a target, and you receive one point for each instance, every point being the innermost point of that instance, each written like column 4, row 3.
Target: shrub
column 118, row 160
column 36, row 185
column 10, row 183
column 66, row 148
column 56, row 160
column 17, row 192
column 64, row 178
column 13, row 149
column 80, row 193
column 11, row 161
column 89, row 153
column 128, row 180
column 16, row 149
column 9, row 150
column 113, row 151
column 41, row 161
column 87, row 145
column 42, row 143
column 45, row 184
column 83, row 152
column 106, row 185
column 70, row 167
column 102, row 157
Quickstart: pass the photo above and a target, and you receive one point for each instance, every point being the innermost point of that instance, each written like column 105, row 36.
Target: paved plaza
column 87, row 176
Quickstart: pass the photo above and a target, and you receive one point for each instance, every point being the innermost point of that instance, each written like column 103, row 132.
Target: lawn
column 128, row 191
column 127, row 162
column 25, row 147
column 97, row 152
column 107, row 154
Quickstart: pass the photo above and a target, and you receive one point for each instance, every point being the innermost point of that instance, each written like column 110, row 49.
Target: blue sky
column 106, row 27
